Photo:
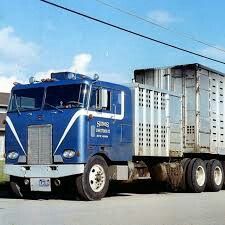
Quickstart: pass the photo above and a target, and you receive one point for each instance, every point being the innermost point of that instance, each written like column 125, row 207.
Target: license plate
column 40, row 184
column 44, row 182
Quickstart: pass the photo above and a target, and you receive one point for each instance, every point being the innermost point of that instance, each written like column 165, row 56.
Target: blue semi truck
column 71, row 127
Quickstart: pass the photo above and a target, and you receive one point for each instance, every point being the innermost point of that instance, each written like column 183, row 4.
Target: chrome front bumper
column 48, row 171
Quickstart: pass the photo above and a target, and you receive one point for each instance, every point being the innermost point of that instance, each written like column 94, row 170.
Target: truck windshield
column 66, row 96
column 26, row 100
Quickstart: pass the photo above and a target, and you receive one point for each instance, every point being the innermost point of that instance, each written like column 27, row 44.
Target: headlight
column 68, row 154
column 13, row 155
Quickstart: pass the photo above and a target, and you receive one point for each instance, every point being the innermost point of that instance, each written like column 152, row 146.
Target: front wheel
column 18, row 188
column 94, row 182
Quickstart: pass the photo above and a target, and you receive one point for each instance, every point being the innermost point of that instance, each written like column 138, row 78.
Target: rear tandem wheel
column 196, row 175
column 215, row 175
column 185, row 162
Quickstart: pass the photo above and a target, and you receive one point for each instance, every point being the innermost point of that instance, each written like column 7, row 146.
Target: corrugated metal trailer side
column 203, row 107
column 157, row 123
column 211, row 110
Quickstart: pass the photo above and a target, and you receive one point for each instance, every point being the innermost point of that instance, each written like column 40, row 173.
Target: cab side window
column 95, row 100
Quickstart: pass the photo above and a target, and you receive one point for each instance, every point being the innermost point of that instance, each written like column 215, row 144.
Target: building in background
column 4, row 98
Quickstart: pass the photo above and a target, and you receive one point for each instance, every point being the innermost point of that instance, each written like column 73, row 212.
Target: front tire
column 18, row 188
column 215, row 175
column 196, row 175
column 94, row 182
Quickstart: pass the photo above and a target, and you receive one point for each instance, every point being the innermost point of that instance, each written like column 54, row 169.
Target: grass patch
column 3, row 178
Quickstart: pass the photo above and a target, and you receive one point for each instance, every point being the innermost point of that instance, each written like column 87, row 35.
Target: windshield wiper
column 54, row 107
column 17, row 107
column 74, row 103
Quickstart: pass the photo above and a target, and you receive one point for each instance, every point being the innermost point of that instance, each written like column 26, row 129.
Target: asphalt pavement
column 140, row 208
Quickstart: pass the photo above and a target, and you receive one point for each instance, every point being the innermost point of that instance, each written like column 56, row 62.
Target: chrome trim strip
column 95, row 114
column 9, row 122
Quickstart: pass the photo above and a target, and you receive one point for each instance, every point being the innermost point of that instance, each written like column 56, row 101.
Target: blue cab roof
column 66, row 78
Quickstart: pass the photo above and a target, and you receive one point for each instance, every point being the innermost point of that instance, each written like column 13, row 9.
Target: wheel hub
column 200, row 176
column 218, row 175
column 97, row 178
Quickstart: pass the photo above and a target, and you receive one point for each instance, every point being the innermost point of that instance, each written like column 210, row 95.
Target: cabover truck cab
column 55, row 128
column 79, row 133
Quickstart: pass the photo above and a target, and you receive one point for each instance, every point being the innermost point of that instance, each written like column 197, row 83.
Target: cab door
column 100, row 117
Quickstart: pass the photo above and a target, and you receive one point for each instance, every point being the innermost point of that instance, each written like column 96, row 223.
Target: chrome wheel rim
column 218, row 176
column 97, row 178
column 200, row 176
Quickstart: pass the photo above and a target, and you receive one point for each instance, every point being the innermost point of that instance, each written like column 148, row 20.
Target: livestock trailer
column 202, row 90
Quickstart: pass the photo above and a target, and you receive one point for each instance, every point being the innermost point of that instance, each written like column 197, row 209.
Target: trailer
column 202, row 91
column 81, row 133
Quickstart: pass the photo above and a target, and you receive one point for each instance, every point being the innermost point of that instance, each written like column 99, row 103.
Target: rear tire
column 196, row 175
column 94, row 182
column 215, row 175
column 185, row 162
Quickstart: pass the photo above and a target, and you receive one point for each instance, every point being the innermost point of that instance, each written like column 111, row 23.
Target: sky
column 37, row 39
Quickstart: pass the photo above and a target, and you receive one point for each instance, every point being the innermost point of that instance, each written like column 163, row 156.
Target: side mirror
column 103, row 98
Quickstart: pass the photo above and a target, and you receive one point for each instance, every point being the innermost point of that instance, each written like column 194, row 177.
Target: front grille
column 40, row 144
